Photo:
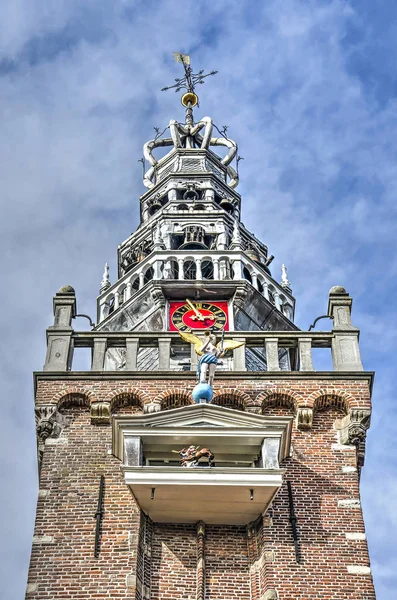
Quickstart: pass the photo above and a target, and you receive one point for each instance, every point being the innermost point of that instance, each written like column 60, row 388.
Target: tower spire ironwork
column 188, row 82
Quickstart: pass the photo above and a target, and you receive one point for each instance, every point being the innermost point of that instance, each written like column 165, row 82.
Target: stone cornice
column 191, row 376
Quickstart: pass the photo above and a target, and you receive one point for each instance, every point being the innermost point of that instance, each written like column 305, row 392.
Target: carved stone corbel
column 48, row 422
column 240, row 297
column 353, row 427
column 100, row 413
column 158, row 297
column 304, row 418
column 253, row 409
column 151, row 407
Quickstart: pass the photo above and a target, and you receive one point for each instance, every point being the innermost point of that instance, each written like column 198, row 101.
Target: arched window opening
column 272, row 296
column 227, row 205
column 183, row 207
column 207, row 269
column 135, row 284
column 189, row 269
column 260, row 287
column 247, row 275
column 148, row 276
column 170, row 270
column 198, row 207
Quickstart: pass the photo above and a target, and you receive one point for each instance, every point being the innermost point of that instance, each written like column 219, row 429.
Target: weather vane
column 189, row 81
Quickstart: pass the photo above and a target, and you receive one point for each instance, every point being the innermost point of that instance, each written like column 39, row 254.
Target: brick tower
column 266, row 503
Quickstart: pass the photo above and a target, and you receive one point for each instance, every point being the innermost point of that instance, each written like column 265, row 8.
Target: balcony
column 246, row 476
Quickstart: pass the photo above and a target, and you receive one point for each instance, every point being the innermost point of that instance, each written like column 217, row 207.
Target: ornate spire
column 157, row 239
column 105, row 283
column 285, row 283
column 236, row 237
column 189, row 135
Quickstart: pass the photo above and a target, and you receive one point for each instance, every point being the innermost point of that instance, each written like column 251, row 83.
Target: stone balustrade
column 299, row 344
column 269, row 346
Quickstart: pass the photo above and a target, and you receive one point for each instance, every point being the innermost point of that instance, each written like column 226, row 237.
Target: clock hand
column 198, row 314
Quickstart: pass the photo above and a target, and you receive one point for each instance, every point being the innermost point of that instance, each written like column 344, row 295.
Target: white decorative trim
column 56, row 442
column 342, row 447
column 349, row 503
column 43, row 540
column 231, row 476
column 358, row 570
column 349, row 469
column 355, row 536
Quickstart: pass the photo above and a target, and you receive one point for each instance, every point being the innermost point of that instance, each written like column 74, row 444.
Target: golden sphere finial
column 189, row 98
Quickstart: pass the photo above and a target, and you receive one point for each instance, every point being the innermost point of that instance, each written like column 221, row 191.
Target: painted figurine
column 209, row 353
column 190, row 457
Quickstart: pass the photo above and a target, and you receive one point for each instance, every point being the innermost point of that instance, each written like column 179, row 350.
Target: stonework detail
column 304, row 418
column 353, row 427
column 100, row 413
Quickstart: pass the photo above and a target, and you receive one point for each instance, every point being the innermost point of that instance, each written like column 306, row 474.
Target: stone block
column 349, row 503
column 43, row 540
column 31, row 588
column 358, row 570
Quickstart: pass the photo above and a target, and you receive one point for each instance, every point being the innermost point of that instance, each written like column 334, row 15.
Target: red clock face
column 198, row 315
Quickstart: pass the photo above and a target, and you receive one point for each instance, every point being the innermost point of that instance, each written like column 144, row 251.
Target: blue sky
column 307, row 88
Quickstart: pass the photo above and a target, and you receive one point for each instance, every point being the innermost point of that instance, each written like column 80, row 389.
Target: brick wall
column 136, row 554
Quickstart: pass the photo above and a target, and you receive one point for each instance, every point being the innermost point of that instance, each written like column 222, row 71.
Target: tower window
column 189, row 269
column 247, row 275
column 207, row 269
column 148, row 275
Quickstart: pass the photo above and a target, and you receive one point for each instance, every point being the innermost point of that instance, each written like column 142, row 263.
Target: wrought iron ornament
column 190, row 80
column 293, row 521
column 98, row 516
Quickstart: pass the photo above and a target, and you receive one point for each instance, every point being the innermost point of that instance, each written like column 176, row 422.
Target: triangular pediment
column 205, row 415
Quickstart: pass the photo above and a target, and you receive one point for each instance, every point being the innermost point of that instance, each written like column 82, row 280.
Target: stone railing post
column 215, row 263
column 131, row 354
column 271, row 345
column 59, row 335
column 239, row 356
column 305, row 354
column 237, row 269
column 164, row 353
column 345, row 349
column 98, row 355
column 198, row 269
column 181, row 274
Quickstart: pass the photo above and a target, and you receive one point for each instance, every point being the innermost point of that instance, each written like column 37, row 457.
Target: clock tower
column 151, row 488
